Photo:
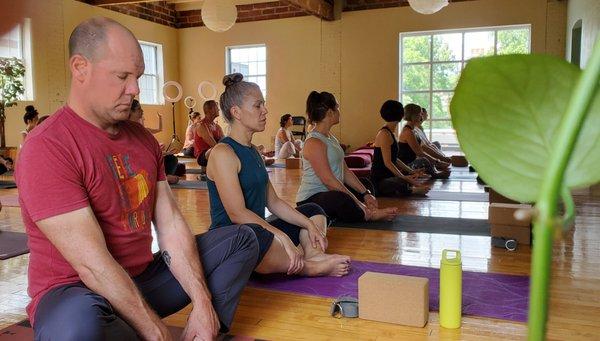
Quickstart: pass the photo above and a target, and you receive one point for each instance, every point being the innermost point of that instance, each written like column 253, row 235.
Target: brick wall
column 159, row 12
column 164, row 13
column 252, row 12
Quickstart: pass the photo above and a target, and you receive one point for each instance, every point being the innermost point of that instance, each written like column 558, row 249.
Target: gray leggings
column 74, row 312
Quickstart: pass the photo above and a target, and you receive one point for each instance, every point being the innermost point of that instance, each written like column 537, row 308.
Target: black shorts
column 202, row 160
column 265, row 237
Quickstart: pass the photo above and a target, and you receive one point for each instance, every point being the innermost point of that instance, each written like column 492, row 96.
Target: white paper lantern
column 427, row 6
column 219, row 15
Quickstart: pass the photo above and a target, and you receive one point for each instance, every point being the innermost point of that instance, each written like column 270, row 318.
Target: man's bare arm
column 181, row 255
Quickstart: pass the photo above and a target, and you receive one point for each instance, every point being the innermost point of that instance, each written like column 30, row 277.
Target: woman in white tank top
column 285, row 144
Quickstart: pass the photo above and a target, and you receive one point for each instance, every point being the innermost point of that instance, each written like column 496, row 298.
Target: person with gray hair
column 409, row 146
column 291, row 241
column 91, row 185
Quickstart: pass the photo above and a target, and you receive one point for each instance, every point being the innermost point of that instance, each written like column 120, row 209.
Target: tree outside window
column 431, row 63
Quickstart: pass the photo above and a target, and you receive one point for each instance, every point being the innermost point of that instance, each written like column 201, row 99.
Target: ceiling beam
column 114, row 2
column 319, row 8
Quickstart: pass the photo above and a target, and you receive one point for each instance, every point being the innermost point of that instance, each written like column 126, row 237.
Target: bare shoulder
column 222, row 150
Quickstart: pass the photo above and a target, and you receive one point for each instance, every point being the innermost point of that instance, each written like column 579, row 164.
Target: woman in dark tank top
column 386, row 173
column 409, row 147
column 292, row 241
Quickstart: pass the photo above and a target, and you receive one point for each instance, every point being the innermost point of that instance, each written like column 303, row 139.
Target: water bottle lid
column 455, row 257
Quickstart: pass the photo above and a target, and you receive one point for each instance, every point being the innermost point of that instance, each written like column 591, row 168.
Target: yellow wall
column 293, row 62
column 355, row 58
column 370, row 47
column 588, row 11
column 52, row 22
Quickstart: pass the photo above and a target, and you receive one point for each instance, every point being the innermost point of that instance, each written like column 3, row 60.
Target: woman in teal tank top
column 292, row 241
column 326, row 180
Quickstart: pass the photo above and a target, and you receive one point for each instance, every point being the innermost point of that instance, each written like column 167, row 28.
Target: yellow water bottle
column 450, row 289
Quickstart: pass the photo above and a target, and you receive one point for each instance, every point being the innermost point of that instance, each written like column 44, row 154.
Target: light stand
column 174, row 138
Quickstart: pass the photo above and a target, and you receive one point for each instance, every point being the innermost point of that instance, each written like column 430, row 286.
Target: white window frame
column 462, row 61
column 24, row 28
column 228, row 50
column 159, row 77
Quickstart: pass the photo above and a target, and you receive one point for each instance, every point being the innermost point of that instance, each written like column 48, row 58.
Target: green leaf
column 506, row 110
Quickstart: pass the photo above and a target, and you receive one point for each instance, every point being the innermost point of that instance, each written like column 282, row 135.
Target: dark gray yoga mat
column 12, row 244
column 6, row 184
column 409, row 223
column 452, row 196
column 193, row 171
column 189, row 184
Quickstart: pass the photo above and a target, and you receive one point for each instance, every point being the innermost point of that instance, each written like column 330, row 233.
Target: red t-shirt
column 200, row 146
column 68, row 164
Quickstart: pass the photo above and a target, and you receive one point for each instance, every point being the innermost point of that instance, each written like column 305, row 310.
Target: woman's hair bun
column 233, row 78
column 30, row 109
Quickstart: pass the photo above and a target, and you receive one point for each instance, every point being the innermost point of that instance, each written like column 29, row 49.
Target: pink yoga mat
column 10, row 200
column 484, row 294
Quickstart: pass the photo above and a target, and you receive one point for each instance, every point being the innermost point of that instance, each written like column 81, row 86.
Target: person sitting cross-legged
column 292, row 241
column 326, row 179
column 409, row 146
column 91, row 185
column 285, row 144
column 387, row 171
column 207, row 133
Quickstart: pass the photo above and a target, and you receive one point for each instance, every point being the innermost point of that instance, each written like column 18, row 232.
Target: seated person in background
column 6, row 164
column 188, row 145
column 142, row 121
column 285, row 144
column 432, row 148
column 207, row 134
column 92, row 274
column 30, row 118
column 42, row 119
column 292, row 241
column 386, row 173
column 170, row 160
column 409, row 147
column 325, row 173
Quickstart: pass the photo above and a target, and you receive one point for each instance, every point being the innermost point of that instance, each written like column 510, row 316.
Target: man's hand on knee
column 203, row 323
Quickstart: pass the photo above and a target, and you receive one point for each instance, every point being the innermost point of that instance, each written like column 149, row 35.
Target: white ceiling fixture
column 427, row 6
column 219, row 15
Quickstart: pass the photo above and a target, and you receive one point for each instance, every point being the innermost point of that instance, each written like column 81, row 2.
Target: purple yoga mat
column 484, row 294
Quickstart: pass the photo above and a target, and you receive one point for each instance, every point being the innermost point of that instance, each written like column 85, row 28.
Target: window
column 16, row 43
column 431, row 63
column 150, row 90
column 250, row 61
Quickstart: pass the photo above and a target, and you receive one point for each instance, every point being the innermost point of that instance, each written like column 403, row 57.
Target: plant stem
column 543, row 228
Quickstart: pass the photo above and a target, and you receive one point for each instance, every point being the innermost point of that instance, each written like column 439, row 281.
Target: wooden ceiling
column 319, row 8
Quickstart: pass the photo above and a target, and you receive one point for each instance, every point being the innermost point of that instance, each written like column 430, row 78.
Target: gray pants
column 74, row 312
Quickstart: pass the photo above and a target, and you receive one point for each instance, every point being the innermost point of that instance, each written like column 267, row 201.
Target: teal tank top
column 253, row 179
column 311, row 184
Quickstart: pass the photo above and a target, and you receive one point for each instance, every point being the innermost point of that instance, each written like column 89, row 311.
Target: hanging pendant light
column 427, row 6
column 219, row 15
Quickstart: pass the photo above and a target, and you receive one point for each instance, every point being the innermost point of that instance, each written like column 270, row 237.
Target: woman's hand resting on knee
column 294, row 253
column 317, row 237
column 371, row 201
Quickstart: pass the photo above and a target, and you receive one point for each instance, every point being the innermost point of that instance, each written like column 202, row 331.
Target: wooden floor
column 575, row 289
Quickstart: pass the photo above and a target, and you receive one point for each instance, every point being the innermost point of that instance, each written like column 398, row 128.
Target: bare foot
column 383, row 214
column 327, row 265
column 172, row 179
